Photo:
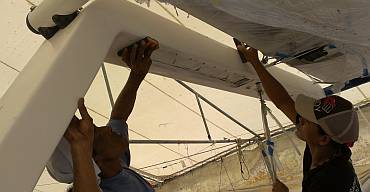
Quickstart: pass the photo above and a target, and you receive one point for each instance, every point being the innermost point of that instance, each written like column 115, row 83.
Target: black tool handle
column 237, row 43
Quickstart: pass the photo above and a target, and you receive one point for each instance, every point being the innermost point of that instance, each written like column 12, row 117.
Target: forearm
column 275, row 91
column 126, row 99
column 83, row 172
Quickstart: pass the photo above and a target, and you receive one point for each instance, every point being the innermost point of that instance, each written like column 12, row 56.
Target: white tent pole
column 269, row 143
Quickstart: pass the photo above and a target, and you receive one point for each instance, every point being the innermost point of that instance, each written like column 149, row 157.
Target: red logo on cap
column 326, row 104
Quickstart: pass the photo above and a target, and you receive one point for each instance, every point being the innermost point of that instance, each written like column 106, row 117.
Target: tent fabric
column 284, row 29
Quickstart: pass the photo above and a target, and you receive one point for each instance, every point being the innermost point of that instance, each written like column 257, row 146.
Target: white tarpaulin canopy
column 286, row 29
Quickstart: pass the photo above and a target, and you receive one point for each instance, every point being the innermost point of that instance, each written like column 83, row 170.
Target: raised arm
column 137, row 57
column 80, row 135
column 274, row 90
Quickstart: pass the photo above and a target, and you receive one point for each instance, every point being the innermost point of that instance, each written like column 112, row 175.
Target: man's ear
column 324, row 140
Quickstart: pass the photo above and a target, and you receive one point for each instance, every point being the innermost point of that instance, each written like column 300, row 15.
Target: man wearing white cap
column 329, row 126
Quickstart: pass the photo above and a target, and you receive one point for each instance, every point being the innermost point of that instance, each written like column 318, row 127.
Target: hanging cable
column 199, row 153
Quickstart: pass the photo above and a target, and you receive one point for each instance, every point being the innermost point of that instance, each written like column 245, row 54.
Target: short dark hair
column 341, row 149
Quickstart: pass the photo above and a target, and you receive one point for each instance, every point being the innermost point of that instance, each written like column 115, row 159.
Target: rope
column 242, row 161
column 199, row 153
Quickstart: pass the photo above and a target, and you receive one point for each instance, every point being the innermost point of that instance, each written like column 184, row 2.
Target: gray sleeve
column 121, row 127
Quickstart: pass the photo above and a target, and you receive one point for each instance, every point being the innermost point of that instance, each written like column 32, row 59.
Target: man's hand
column 278, row 186
column 137, row 56
column 274, row 90
column 80, row 133
column 250, row 53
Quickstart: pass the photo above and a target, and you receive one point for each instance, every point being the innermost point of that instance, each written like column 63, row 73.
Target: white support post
column 37, row 108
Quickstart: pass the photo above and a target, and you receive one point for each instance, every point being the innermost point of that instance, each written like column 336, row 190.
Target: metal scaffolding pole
column 218, row 109
column 188, row 141
column 109, row 90
column 203, row 117
column 269, row 143
column 284, row 131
